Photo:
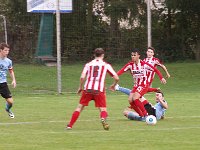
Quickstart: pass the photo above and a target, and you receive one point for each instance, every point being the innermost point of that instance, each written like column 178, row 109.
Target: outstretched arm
column 124, row 69
column 166, row 71
column 116, row 80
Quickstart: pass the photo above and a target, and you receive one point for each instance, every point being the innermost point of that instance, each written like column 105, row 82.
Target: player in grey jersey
column 5, row 66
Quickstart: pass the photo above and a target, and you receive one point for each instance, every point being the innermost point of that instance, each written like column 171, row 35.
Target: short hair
column 160, row 93
column 135, row 50
column 153, row 49
column 3, row 45
column 98, row 52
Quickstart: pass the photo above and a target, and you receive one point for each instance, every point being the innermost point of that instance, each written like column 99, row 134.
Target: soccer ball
column 151, row 120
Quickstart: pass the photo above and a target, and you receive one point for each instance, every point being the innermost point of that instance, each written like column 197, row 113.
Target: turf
column 41, row 114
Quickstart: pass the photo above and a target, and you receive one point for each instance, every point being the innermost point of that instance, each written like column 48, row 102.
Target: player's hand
column 168, row 75
column 79, row 90
column 14, row 84
column 112, row 87
column 163, row 81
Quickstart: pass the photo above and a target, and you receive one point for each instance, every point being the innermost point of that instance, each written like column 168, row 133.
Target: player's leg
column 122, row 89
column 134, row 105
column 103, row 116
column 9, row 104
column 100, row 102
column 75, row 115
column 139, row 92
column 5, row 93
column 131, row 115
column 84, row 100
column 150, row 89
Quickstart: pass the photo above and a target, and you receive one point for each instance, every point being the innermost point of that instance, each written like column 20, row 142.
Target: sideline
column 59, row 121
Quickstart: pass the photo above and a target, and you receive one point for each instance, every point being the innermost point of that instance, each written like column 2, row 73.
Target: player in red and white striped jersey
column 94, row 89
column 154, row 62
column 138, row 70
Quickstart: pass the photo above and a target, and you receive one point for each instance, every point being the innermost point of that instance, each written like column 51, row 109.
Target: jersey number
column 96, row 71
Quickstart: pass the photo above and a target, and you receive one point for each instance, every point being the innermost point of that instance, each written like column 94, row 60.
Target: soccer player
column 138, row 70
column 95, row 74
column 158, row 110
column 154, row 62
column 5, row 66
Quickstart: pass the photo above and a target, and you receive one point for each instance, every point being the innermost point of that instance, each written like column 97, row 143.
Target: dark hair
column 136, row 50
column 160, row 93
column 3, row 45
column 151, row 48
column 98, row 52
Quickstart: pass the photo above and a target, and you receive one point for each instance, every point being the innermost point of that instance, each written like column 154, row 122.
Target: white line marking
column 74, row 131
column 59, row 121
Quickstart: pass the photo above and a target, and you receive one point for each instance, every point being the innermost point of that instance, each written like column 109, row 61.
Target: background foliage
column 98, row 23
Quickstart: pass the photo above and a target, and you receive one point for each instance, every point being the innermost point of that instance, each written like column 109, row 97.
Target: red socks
column 152, row 89
column 137, row 109
column 145, row 102
column 139, row 104
column 74, row 117
column 103, row 114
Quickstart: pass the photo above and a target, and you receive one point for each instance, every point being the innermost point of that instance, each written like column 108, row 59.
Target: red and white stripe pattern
column 139, row 72
column 151, row 73
column 96, row 73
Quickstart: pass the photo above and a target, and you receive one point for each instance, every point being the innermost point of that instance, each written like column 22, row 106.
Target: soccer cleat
column 68, row 127
column 143, row 118
column 11, row 114
column 105, row 124
column 117, row 87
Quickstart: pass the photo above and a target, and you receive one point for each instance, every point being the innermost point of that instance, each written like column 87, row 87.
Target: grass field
column 41, row 114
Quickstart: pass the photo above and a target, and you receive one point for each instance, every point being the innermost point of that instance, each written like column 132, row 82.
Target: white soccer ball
column 151, row 120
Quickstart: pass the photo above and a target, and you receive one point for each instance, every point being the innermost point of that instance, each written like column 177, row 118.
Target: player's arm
column 123, row 69
column 12, row 75
column 165, row 69
column 162, row 80
column 115, row 77
column 82, row 79
column 163, row 103
column 116, row 80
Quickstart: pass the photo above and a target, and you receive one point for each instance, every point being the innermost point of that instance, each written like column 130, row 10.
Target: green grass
column 41, row 114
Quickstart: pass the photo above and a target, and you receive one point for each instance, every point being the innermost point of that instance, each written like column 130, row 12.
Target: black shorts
column 150, row 109
column 4, row 90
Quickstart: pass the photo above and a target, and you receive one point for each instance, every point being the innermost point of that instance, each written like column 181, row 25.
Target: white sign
column 48, row 6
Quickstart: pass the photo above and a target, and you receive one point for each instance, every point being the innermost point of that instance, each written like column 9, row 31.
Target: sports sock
column 136, row 108
column 145, row 102
column 139, row 104
column 103, row 114
column 152, row 89
column 74, row 117
column 8, row 106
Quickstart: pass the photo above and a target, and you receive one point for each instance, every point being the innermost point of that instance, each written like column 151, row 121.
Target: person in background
column 154, row 62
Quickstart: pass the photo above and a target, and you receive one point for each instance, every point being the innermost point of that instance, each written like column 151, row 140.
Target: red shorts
column 140, row 89
column 98, row 97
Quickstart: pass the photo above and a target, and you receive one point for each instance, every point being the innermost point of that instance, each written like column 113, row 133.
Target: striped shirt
column 154, row 62
column 139, row 72
column 95, row 72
